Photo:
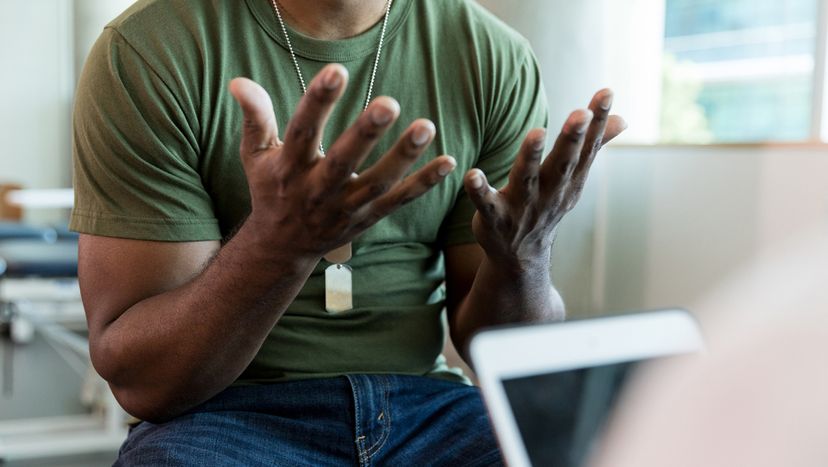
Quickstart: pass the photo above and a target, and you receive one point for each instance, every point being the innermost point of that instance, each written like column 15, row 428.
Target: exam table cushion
column 36, row 258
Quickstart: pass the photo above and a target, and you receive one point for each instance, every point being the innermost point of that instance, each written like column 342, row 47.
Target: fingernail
column 606, row 102
column 333, row 79
column 420, row 135
column 581, row 125
column 446, row 168
column 477, row 181
column 540, row 142
column 381, row 115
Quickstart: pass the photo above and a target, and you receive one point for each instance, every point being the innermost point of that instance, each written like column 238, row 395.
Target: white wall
column 90, row 16
column 683, row 221
column 585, row 45
column 37, row 83
column 42, row 46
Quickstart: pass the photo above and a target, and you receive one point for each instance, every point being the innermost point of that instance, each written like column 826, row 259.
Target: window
column 739, row 70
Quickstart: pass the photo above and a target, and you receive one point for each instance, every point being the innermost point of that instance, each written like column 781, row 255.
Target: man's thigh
column 297, row 424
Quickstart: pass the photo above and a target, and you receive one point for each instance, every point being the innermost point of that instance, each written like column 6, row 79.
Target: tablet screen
column 560, row 415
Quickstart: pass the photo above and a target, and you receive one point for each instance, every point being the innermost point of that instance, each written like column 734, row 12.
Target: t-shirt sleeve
column 136, row 151
column 520, row 105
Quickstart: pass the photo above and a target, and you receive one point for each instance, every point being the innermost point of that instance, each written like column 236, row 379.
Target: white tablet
column 550, row 387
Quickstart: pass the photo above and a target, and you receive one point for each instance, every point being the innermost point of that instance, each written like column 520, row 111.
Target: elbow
column 103, row 358
column 107, row 358
column 156, row 403
column 145, row 406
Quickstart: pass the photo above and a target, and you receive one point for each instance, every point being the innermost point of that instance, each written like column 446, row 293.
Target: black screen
column 560, row 415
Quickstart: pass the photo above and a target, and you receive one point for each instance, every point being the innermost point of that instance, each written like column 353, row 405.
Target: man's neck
column 332, row 19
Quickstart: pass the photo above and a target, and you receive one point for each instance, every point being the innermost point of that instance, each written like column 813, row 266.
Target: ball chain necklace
column 338, row 278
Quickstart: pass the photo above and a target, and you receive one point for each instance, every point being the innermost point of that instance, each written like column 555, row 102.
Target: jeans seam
column 364, row 459
column 386, row 429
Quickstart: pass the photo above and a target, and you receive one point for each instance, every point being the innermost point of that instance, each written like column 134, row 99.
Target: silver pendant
column 338, row 288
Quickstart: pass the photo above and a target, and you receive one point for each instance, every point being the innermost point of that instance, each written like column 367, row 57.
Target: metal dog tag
column 338, row 292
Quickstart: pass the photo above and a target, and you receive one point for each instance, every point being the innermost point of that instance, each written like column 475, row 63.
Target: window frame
column 819, row 122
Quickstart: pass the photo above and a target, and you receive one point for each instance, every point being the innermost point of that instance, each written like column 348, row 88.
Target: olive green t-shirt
column 156, row 138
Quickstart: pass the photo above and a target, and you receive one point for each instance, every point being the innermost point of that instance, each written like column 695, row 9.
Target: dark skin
column 515, row 226
column 153, row 335
column 332, row 19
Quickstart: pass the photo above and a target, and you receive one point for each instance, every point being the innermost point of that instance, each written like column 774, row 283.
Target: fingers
column 600, row 107
column 379, row 178
column 615, row 126
column 259, row 131
column 351, row 149
column 523, row 178
column 557, row 170
column 304, row 131
column 485, row 198
column 414, row 186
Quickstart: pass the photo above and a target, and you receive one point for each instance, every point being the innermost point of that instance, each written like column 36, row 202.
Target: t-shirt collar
column 342, row 50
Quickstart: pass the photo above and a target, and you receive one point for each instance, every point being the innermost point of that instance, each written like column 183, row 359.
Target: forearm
column 174, row 350
column 505, row 294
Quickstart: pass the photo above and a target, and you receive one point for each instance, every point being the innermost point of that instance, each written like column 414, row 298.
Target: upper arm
column 116, row 273
column 136, row 150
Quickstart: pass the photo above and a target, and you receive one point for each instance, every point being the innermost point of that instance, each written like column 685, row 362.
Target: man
column 213, row 313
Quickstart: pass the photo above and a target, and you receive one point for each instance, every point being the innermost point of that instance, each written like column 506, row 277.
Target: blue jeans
column 350, row 420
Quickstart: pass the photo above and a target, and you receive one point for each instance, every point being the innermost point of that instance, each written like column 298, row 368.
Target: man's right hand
column 309, row 203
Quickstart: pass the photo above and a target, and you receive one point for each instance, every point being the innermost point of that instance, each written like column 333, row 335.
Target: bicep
column 116, row 273
column 462, row 262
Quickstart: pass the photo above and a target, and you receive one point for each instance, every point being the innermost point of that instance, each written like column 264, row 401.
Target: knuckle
column 378, row 188
column 409, row 150
column 566, row 167
column 504, row 224
column 530, row 181
column 429, row 178
column 315, row 201
column 321, row 95
column 534, row 155
column 303, row 132
column 337, row 167
column 368, row 131
column 600, row 116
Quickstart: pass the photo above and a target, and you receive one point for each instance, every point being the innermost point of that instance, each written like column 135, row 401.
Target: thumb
column 483, row 196
column 259, row 131
column 615, row 126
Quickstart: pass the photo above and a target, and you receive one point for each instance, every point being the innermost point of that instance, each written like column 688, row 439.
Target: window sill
column 804, row 145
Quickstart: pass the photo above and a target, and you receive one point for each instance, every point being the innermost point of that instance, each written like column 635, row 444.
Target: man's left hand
column 515, row 226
